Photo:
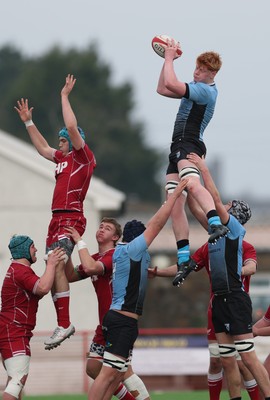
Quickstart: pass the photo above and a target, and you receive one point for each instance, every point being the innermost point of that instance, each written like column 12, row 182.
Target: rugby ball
column 159, row 43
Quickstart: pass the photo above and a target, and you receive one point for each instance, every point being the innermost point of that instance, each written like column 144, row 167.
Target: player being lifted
column 198, row 99
column 75, row 163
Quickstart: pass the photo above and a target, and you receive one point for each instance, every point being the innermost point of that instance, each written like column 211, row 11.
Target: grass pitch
column 187, row 395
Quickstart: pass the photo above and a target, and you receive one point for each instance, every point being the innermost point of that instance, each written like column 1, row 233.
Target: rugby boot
column 184, row 269
column 59, row 335
column 217, row 232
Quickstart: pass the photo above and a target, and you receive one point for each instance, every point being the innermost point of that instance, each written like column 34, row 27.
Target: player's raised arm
column 68, row 114
column 89, row 266
column 210, row 186
column 40, row 143
column 157, row 222
column 160, row 44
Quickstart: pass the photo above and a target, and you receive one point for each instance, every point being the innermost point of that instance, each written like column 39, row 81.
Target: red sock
column 62, row 310
column 253, row 392
column 122, row 393
column 214, row 385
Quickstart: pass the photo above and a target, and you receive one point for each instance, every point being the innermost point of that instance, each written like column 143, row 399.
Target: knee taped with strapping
column 17, row 368
column 186, row 172
column 14, row 387
column 227, row 350
column 113, row 361
column 244, row 346
column 170, row 186
column 135, row 384
column 214, row 350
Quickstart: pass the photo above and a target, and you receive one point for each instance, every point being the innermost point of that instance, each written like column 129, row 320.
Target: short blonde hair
column 117, row 226
column 210, row 60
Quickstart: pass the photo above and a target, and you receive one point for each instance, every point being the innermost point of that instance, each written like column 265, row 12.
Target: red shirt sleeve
column 201, row 257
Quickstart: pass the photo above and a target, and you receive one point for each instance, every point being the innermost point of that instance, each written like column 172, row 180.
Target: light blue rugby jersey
column 130, row 264
column 196, row 111
column 226, row 259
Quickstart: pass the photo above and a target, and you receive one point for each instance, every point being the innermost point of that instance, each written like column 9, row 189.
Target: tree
column 104, row 112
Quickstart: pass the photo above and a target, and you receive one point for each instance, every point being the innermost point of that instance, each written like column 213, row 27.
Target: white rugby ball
column 159, row 43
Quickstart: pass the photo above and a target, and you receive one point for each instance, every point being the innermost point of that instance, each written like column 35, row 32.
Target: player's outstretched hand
column 70, row 82
column 23, row 110
column 180, row 187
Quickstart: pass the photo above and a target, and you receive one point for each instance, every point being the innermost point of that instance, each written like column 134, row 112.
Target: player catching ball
column 198, row 100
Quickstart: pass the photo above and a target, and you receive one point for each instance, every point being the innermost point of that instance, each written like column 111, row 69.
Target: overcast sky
column 239, row 30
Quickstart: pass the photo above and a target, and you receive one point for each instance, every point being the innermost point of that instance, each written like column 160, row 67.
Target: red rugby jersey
column 19, row 302
column 73, row 173
column 201, row 258
column 103, row 288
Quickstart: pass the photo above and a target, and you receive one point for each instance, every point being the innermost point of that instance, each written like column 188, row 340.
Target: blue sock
column 214, row 220
column 183, row 254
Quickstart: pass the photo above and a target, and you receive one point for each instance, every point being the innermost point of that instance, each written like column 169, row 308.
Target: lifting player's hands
column 23, row 110
column 180, row 187
column 152, row 272
column 73, row 233
column 197, row 160
column 56, row 255
column 70, row 82
column 176, row 187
